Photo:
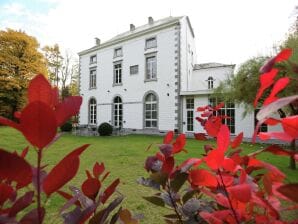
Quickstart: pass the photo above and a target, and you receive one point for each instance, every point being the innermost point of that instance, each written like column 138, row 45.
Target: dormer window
column 118, row 52
column 151, row 43
column 210, row 82
column 93, row 59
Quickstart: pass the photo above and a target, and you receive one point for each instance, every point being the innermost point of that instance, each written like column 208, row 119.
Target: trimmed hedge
column 105, row 129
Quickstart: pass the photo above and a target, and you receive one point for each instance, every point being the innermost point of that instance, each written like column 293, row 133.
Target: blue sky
column 229, row 31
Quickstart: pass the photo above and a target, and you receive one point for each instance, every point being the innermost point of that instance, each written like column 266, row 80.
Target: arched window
column 92, row 111
column 117, row 112
column 210, row 81
column 151, row 111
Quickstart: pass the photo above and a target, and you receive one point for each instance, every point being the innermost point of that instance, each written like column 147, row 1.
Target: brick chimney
column 132, row 27
column 97, row 41
column 150, row 20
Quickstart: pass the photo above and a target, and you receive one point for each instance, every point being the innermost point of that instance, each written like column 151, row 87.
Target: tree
column 20, row 60
column 54, row 62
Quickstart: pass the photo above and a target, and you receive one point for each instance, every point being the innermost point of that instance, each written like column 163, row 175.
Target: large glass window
column 189, row 114
column 151, row 111
column 92, row 79
column 92, row 111
column 151, row 67
column 117, row 112
column 118, row 73
column 228, row 110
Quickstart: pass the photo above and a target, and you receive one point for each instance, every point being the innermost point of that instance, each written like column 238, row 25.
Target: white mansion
column 146, row 80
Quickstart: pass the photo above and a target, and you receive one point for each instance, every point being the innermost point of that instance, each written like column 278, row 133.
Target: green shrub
column 67, row 127
column 105, row 129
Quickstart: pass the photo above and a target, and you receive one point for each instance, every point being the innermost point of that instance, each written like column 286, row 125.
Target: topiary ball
column 105, row 129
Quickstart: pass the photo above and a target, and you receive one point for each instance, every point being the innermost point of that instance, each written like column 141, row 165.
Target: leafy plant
column 20, row 181
column 105, row 129
column 223, row 185
column 67, row 127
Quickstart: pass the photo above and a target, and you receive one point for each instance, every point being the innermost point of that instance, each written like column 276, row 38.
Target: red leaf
column 187, row 164
column 38, row 124
column 283, row 55
column 168, row 138
column 90, row 187
column 40, row 90
column 63, row 172
column 267, row 184
column 105, row 176
column 22, row 203
column 271, row 121
column 237, row 141
column 14, row 168
column 219, row 106
column 109, row 191
column 179, row 143
column 68, row 108
column 210, row 218
column 275, row 135
column 32, row 217
column 6, row 191
column 168, row 165
column 200, row 136
column 290, row 191
column 68, row 197
column 266, row 80
column 5, row 121
column 214, row 159
column 277, row 150
column 212, row 127
column 278, row 86
column 290, row 125
column 229, row 164
column 241, row 192
column 202, row 178
column 98, row 169
column 88, row 174
column 223, row 138
column 266, row 111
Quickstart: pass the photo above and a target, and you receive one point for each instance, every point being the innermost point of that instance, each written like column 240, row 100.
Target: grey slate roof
column 211, row 65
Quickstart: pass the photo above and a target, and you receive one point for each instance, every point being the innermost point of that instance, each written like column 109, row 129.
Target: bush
column 105, row 129
column 67, row 127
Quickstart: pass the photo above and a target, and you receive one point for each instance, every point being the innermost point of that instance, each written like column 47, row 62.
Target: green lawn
column 124, row 156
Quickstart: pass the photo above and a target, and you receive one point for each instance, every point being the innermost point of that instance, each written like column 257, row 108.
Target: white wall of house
column 133, row 87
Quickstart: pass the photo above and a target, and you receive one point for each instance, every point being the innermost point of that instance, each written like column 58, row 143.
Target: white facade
column 141, row 80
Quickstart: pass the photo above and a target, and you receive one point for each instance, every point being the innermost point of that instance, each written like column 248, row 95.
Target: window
column 228, row 110
column 210, row 81
column 118, row 52
column 151, row 43
column 264, row 127
column 93, row 59
column 117, row 112
column 117, row 73
column 189, row 114
column 150, row 67
column 134, row 69
column 92, row 81
column 150, row 111
column 92, row 111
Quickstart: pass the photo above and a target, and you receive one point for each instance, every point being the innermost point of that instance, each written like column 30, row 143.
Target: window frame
column 151, row 76
column 190, row 111
column 117, row 111
column 210, row 82
column 147, row 41
column 151, row 108
column 116, row 54
column 91, row 61
column 117, row 79
column 92, row 111
column 92, row 78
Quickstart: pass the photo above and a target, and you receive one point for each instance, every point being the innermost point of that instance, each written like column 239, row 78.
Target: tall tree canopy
column 20, row 60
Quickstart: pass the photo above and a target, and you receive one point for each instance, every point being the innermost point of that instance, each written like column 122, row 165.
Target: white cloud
column 229, row 31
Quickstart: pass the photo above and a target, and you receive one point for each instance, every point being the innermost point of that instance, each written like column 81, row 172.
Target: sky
column 226, row 31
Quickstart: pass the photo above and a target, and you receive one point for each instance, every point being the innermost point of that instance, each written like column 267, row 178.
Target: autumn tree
column 20, row 60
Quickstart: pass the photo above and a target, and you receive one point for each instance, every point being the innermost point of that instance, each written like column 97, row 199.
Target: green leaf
column 155, row 200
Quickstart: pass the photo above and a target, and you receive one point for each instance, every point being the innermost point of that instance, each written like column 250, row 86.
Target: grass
column 124, row 156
